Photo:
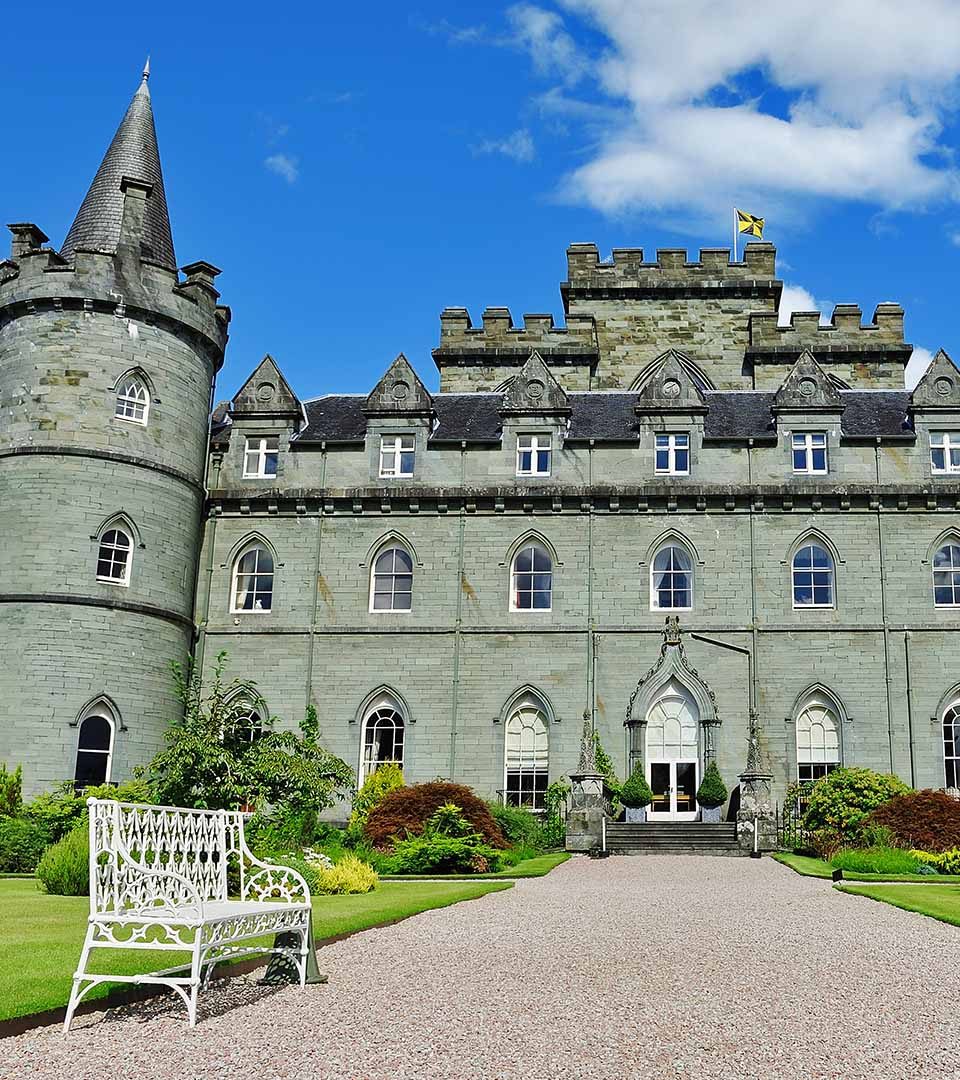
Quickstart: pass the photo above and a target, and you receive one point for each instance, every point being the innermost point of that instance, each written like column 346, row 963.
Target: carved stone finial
column 756, row 762
column 588, row 747
column 671, row 630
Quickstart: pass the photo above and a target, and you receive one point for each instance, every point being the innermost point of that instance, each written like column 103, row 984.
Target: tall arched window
column 382, row 742
column 531, row 579
column 818, row 739
column 812, row 576
column 671, row 578
column 946, row 575
column 526, row 755
column 133, row 399
column 391, row 582
column 246, row 723
column 253, row 580
column 114, row 555
column 95, row 746
column 951, row 745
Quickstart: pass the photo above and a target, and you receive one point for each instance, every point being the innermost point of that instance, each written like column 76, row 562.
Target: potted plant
column 711, row 795
column 636, row 796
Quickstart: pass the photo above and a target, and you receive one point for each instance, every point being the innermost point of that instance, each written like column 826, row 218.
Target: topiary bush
column 349, row 875
column 843, row 799
column 712, row 791
column 636, row 792
column 928, row 820
column 22, row 842
column 379, row 784
column 64, row 868
column 405, row 811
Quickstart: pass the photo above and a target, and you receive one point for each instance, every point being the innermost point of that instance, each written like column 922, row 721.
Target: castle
column 671, row 515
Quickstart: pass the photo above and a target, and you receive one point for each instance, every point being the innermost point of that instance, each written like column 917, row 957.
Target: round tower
column 107, row 362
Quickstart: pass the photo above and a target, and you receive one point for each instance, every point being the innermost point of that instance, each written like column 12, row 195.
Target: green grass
column 41, row 935
column 539, row 866
column 938, row 901
column 810, row 867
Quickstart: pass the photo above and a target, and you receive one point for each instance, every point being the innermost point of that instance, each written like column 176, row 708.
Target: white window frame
column 97, row 712
column 257, row 451
column 514, row 607
column 671, row 445
column 794, row 570
column 257, row 545
column 139, row 399
column 530, row 762
column 383, row 704
column 817, row 769
column 951, row 718
column 534, row 444
column 953, row 543
column 946, row 441
column 385, row 550
column 392, row 450
column 115, row 527
column 803, row 442
column 654, row 591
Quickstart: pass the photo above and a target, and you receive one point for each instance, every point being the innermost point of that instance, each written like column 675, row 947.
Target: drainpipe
column 458, row 626
column 883, row 611
column 906, row 659
column 316, row 577
column 754, row 633
column 208, row 582
column 197, row 646
column 591, row 647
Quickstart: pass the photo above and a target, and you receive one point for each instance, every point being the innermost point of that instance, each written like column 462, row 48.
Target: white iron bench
column 158, row 881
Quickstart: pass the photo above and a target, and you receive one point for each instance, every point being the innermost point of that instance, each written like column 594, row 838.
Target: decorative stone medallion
column 401, row 390
column 671, row 388
column 266, row 392
column 535, row 389
column 943, row 385
column 807, row 387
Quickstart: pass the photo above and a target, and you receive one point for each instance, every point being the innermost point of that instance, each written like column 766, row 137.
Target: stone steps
column 672, row 838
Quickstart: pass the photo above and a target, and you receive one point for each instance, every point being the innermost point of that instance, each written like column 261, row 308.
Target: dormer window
column 945, row 451
column 397, row 453
column 260, row 457
column 672, row 454
column 810, row 452
column 533, row 455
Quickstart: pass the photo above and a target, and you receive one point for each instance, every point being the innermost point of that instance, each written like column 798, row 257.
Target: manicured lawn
column 810, row 867
column 538, row 867
column 938, row 901
column 41, row 935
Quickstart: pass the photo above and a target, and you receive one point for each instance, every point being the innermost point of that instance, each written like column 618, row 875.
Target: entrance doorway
column 673, row 754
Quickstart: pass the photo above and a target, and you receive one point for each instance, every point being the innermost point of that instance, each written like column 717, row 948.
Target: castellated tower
column 107, row 361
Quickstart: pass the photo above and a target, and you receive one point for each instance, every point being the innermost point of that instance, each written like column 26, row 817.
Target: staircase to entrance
column 673, row 837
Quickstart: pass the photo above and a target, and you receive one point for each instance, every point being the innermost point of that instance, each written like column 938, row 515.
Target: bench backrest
column 193, row 847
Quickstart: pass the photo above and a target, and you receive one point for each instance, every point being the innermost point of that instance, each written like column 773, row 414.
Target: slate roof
column 609, row 416
column 132, row 153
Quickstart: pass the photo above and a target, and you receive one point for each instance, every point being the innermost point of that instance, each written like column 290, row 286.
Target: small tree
column 636, row 792
column 11, row 791
column 842, row 799
column 712, row 791
column 383, row 780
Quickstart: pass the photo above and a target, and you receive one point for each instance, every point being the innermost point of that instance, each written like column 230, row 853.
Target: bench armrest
column 189, row 905
column 268, row 882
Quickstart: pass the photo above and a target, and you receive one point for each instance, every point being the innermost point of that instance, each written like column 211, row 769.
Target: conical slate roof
column 133, row 153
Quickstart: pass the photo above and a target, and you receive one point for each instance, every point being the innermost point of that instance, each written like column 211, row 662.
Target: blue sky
column 354, row 169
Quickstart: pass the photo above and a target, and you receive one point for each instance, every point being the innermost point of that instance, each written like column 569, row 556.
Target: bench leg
column 195, row 975
column 77, row 992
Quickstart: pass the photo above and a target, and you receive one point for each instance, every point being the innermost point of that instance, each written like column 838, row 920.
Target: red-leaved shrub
column 404, row 811
column 926, row 820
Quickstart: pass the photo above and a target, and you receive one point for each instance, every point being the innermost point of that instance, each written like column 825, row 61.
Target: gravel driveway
column 654, row 966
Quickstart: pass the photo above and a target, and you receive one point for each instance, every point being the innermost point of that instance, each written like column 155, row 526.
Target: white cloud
column 519, row 146
column 862, row 89
column 797, row 298
column 918, row 363
column 285, row 165
column 954, row 236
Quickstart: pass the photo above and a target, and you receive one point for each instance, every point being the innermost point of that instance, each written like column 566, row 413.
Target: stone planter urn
column 711, row 815
column 635, row 815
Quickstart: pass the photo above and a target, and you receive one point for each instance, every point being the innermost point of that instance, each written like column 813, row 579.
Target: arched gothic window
column 114, row 555
column 133, row 399
column 382, row 742
column 527, row 755
column 946, row 575
column 94, row 747
column 951, row 745
column 671, row 578
column 818, row 740
column 531, row 579
column 253, row 580
column 813, row 574
column 391, row 583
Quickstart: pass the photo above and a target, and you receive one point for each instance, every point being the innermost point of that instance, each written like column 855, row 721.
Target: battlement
column 499, row 336
column 671, row 271
column 845, row 332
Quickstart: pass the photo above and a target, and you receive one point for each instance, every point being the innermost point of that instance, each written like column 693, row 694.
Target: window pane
column 543, row 461
column 94, row 734
column 819, row 460
column 683, row 461
column 541, row 560
column 663, row 461
column 799, row 461
column 937, row 459
column 524, row 562
column 406, row 462
column 91, row 768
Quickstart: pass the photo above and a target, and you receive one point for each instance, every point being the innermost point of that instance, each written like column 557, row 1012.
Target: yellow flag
column 747, row 223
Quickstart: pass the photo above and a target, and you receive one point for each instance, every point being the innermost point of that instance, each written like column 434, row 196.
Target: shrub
column 349, row 875
column 842, row 800
column 521, row 828
column 306, row 869
column 928, row 820
column 712, row 791
column 64, row 868
column 943, row 862
column 383, row 780
column 876, row 860
column 824, row 843
column 555, row 817
column 636, row 791
column 56, row 812
column 438, row 854
column 11, row 790
column 22, row 842
column 405, row 811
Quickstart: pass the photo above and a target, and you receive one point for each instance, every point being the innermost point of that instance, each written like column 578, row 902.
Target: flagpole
column 735, row 234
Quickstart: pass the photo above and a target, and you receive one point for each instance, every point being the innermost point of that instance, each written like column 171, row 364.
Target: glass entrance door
column 674, row 787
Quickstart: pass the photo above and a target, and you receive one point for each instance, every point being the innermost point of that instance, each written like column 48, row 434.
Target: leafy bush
column 64, row 868
column 842, row 800
column 636, row 791
column 521, row 828
column 555, row 816
column 824, row 843
column 383, row 780
column 349, row 875
column 876, row 860
column 288, row 828
column 928, row 820
column 943, row 862
column 11, row 790
column 22, row 842
column 405, row 811
column 712, row 791
column 306, row 869
column 61, row 810
column 438, row 854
